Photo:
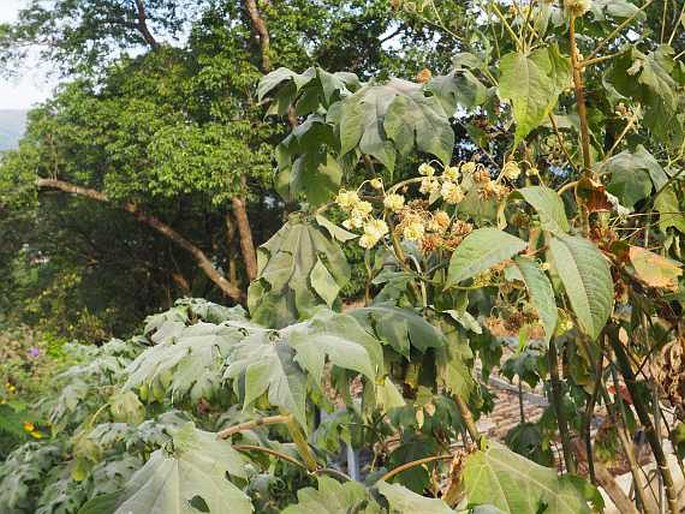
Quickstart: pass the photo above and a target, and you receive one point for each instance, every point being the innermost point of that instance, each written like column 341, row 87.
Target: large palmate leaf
column 299, row 269
column 173, row 479
column 549, row 207
column 266, row 364
column 305, row 164
column 516, row 485
column 532, row 82
column 187, row 365
column 668, row 207
column 400, row 328
column 614, row 8
column 278, row 362
column 332, row 497
column 287, row 84
column 647, row 78
column 382, row 119
column 338, row 337
column 633, row 174
column 480, row 250
column 540, row 291
column 458, row 89
column 584, row 272
column 403, row 500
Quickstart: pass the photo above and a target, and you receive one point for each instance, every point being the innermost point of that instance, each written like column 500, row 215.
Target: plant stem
column 249, row 425
column 413, row 464
column 618, row 29
column 467, row 418
column 580, row 97
column 557, row 403
column 302, row 445
column 652, row 437
column 628, row 448
column 275, row 453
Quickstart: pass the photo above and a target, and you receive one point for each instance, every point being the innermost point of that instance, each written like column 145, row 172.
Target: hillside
column 12, row 125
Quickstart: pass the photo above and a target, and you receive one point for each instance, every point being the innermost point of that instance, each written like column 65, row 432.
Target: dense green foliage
column 530, row 191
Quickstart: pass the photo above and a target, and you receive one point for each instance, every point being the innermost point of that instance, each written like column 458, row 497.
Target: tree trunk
column 260, row 31
column 229, row 288
column 245, row 234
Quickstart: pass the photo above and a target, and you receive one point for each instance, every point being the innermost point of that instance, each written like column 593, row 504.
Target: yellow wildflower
column 511, row 170
column 414, row 230
column 451, row 173
column 577, row 7
column 374, row 230
column 347, row 200
column 429, row 185
column 353, row 222
column 451, row 192
column 427, row 170
column 468, row 167
column 376, row 183
column 361, row 209
column 393, row 202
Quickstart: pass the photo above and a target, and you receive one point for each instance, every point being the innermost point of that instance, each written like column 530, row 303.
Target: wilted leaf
column 655, row 270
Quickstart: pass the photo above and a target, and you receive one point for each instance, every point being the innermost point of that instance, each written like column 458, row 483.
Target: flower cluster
column 424, row 221
column 577, row 8
column 360, row 217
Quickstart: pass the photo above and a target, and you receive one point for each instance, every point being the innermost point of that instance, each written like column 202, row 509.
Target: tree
column 172, row 136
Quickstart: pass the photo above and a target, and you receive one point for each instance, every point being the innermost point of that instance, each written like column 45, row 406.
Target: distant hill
column 12, row 126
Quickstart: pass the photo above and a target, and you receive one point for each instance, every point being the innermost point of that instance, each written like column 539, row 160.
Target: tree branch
column 142, row 27
column 261, row 32
column 230, row 289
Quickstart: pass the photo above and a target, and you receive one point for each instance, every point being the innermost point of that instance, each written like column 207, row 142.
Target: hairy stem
column 557, row 403
column 653, row 438
column 580, row 97
column 249, row 425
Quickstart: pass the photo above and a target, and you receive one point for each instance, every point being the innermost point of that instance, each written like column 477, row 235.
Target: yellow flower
column 376, row 183
column 374, row 230
column 429, row 185
column 511, row 170
column 451, row 192
column 427, row 170
column 366, row 241
column 347, row 199
column 393, row 202
column 28, row 426
column 451, row 173
column 36, row 434
column 577, row 7
column 414, row 230
column 353, row 222
column 361, row 209
column 468, row 167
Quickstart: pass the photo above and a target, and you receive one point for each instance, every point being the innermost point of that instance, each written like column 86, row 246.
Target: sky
column 31, row 83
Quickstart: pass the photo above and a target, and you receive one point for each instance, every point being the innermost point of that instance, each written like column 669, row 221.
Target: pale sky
column 32, row 83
